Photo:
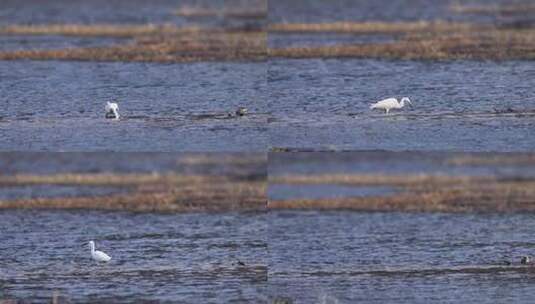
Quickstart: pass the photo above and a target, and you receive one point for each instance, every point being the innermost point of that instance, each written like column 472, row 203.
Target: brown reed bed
column 246, row 13
column 423, row 194
column 479, row 160
column 110, row 179
column 380, row 180
column 416, row 40
column 496, row 45
column 493, row 9
column 235, row 159
column 152, row 192
column 373, row 27
column 103, row 30
column 150, row 43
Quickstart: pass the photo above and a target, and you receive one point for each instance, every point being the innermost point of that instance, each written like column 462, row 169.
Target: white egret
column 112, row 110
column 98, row 256
column 390, row 103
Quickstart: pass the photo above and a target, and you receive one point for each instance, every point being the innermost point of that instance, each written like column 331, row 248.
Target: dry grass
column 372, row 27
column 103, row 179
column 422, row 193
column 162, row 193
column 227, row 159
column 150, row 43
column 247, row 13
column 514, row 159
column 498, row 44
column 407, row 181
column 493, row 9
column 102, row 30
column 416, row 40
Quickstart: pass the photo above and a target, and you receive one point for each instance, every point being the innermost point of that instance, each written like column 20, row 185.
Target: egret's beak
column 83, row 244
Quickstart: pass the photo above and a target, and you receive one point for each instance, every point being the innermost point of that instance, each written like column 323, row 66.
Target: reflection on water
column 154, row 256
column 402, row 258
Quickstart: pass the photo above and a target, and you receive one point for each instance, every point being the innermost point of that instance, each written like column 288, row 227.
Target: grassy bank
column 420, row 193
column 151, row 192
column 149, row 43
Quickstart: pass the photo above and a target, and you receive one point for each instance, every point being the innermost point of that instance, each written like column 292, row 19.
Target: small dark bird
column 525, row 260
column 241, row 111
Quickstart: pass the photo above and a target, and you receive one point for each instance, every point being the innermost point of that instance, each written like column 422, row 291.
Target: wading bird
column 390, row 103
column 112, row 110
column 98, row 256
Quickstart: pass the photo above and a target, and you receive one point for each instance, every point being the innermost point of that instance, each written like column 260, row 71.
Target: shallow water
column 253, row 166
column 322, row 191
column 345, row 257
column 324, row 104
column 52, row 191
column 190, row 257
column 401, row 163
column 165, row 107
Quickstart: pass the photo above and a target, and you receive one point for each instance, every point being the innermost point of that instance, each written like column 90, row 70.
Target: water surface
column 155, row 257
column 457, row 106
column 347, row 257
column 59, row 106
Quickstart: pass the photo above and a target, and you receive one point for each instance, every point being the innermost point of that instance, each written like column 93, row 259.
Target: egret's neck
column 92, row 245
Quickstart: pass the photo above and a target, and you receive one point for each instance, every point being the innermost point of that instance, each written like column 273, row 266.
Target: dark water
column 316, row 11
column 165, row 107
column 167, row 258
column 324, row 104
column 115, row 12
column 337, row 257
column 289, row 192
column 505, row 165
column 223, row 164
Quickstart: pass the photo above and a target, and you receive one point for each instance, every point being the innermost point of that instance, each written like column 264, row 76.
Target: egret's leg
column 387, row 109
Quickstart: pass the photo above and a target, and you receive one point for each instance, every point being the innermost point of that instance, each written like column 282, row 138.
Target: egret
column 390, row 103
column 112, row 110
column 98, row 256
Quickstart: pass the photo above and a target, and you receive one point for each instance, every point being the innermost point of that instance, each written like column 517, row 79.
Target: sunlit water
column 189, row 258
column 457, row 106
column 345, row 257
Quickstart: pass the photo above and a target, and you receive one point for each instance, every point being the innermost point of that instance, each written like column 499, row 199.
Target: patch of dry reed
column 422, row 193
column 152, row 192
column 372, row 27
column 166, row 43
